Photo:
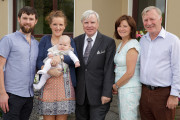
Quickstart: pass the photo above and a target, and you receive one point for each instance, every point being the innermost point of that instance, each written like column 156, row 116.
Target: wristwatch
column 117, row 86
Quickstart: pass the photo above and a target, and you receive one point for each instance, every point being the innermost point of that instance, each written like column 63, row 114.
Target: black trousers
column 20, row 108
column 91, row 112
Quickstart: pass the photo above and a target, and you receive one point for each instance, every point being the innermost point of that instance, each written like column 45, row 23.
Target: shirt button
column 85, row 69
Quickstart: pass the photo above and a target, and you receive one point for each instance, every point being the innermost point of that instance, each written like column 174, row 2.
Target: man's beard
column 26, row 30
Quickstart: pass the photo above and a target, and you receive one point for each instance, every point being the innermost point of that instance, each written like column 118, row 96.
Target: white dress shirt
column 86, row 42
column 160, row 61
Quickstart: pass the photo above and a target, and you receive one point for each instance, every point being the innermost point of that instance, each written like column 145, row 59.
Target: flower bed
column 140, row 33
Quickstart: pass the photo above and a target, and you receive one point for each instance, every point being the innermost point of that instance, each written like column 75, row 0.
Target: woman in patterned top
column 57, row 97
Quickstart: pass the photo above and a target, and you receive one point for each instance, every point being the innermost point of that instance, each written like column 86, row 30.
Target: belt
column 152, row 87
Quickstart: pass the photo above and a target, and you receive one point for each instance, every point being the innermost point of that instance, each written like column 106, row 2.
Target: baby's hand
column 50, row 56
column 60, row 69
column 77, row 64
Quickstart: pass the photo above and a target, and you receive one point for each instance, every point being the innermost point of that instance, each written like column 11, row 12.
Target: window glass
column 67, row 6
column 44, row 7
column 19, row 5
column 144, row 3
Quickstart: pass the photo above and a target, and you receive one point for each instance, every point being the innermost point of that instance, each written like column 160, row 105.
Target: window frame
column 135, row 11
column 55, row 6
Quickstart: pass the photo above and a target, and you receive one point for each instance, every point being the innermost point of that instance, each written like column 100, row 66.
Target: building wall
column 3, row 18
column 79, row 7
column 173, row 17
column 108, row 11
column 107, row 16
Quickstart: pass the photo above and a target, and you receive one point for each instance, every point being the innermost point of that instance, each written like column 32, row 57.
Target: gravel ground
column 112, row 114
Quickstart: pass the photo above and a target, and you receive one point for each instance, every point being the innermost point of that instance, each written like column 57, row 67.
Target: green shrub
column 0, row 113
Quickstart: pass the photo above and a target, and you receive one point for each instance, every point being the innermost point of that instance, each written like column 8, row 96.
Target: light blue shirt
column 160, row 61
column 20, row 64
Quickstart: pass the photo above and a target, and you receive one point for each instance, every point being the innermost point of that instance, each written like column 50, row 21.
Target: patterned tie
column 87, row 50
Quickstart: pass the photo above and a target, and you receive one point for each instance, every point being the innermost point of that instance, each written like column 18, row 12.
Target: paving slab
column 111, row 115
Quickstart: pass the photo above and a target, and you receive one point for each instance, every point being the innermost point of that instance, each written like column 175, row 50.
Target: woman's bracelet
column 117, row 86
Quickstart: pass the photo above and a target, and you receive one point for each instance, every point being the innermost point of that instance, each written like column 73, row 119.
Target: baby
column 63, row 48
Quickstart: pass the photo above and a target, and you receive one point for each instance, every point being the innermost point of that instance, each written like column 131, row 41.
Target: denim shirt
column 20, row 67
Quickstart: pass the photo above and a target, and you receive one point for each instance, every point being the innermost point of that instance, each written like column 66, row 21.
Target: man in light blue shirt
column 18, row 55
column 160, row 68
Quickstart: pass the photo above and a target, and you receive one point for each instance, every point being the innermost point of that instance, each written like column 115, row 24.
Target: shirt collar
column 93, row 37
column 21, row 34
column 161, row 34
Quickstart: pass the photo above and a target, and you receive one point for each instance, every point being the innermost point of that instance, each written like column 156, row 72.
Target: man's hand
column 105, row 100
column 172, row 102
column 55, row 72
column 3, row 95
column 4, row 102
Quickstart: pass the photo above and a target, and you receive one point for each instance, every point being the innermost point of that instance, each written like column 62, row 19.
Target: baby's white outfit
column 54, row 51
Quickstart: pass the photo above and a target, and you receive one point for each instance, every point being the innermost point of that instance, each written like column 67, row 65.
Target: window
column 44, row 7
column 139, row 5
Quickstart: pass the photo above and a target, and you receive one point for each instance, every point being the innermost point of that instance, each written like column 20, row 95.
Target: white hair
column 87, row 13
column 150, row 8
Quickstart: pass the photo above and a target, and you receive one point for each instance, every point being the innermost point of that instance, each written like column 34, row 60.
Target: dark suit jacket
column 97, row 77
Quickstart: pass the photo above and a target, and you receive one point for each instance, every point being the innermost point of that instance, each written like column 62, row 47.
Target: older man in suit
column 95, row 76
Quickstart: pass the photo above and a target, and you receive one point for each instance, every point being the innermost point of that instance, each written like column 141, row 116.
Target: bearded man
column 18, row 54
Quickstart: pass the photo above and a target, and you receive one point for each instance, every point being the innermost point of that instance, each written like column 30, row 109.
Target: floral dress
column 57, row 97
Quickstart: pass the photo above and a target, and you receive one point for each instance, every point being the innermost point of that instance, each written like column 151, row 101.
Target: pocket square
column 100, row 52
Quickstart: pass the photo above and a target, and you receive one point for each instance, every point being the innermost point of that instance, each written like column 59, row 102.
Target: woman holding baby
column 57, row 97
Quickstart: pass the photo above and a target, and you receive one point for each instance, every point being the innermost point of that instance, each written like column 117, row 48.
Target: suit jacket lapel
column 81, row 45
column 95, row 46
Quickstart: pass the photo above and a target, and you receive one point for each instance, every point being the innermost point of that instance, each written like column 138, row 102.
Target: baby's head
column 64, row 43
